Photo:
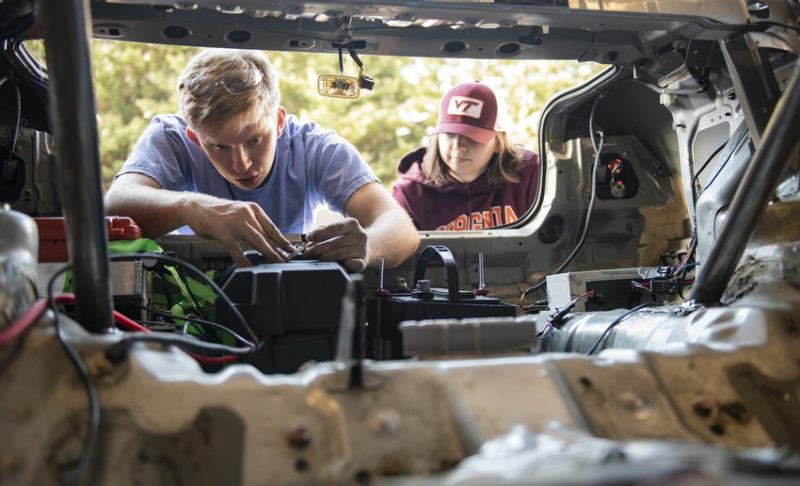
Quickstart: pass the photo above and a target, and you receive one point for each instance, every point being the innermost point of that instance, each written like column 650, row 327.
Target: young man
column 235, row 167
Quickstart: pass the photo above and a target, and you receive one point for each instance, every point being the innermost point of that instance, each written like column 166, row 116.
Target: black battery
column 388, row 309
column 294, row 308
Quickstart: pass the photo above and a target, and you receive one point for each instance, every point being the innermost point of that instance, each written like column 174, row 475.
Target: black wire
column 691, row 249
column 158, row 325
column 598, row 150
column 617, row 321
column 15, row 133
column 197, row 273
column 124, row 344
column 195, row 320
column 705, row 164
column 585, row 231
column 165, row 286
column 736, row 148
column 739, row 137
column 91, row 392
column 778, row 24
column 159, row 271
column 192, row 297
column 354, row 57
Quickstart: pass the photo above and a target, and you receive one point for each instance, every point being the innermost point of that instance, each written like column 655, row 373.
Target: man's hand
column 377, row 229
column 158, row 211
column 343, row 241
column 230, row 222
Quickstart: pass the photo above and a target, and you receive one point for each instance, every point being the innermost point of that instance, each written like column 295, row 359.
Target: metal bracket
column 754, row 82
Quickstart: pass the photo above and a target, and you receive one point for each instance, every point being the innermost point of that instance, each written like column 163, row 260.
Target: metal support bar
column 754, row 83
column 72, row 114
column 752, row 195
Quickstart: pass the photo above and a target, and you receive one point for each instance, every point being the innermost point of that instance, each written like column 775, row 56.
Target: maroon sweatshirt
column 458, row 206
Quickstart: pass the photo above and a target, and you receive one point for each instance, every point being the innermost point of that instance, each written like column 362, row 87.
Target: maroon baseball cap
column 469, row 109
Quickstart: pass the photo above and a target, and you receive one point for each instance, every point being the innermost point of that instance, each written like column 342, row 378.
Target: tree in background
column 134, row 82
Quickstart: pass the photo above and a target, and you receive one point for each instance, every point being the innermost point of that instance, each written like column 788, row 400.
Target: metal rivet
column 299, row 437
column 703, row 407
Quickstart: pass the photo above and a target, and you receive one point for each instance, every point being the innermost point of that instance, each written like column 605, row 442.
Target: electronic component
column 388, row 309
column 130, row 283
column 256, row 258
column 293, row 308
column 613, row 286
column 616, row 185
column 341, row 86
column 53, row 238
column 27, row 176
column 619, row 180
column 665, row 281
column 338, row 86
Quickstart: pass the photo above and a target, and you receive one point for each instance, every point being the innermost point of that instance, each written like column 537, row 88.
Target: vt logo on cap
column 469, row 109
column 464, row 106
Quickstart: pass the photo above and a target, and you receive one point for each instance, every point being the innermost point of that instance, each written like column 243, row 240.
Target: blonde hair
column 504, row 165
column 223, row 109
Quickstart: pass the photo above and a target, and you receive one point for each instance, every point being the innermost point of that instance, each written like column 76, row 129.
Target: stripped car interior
column 640, row 324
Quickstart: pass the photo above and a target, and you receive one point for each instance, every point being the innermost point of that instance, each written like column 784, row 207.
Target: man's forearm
column 156, row 211
column 393, row 237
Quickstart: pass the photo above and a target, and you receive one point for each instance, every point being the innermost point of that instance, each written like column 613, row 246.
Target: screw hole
column 175, row 32
column 362, row 476
column 238, row 36
column 454, row 47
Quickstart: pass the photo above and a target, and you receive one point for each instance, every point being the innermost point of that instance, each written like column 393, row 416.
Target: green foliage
column 134, row 82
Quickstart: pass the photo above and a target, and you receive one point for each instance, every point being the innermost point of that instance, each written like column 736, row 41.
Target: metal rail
column 72, row 112
column 754, row 192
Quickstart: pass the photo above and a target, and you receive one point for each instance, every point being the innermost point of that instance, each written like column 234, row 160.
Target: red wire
column 583, row 296
column 228, row 358
column 685, row 259
column 24, row 322
column 130, row 324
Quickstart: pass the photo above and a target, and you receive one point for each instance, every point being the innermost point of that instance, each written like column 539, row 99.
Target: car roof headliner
column 468, row 29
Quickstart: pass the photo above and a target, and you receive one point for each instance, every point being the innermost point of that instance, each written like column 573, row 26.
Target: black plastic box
column 294, row 308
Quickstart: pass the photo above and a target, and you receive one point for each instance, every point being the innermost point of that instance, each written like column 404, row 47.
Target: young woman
column 469, row 177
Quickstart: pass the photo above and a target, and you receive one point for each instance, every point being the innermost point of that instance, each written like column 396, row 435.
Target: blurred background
column 134, row 82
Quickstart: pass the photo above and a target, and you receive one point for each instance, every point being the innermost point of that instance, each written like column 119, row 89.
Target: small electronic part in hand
column 299, row 248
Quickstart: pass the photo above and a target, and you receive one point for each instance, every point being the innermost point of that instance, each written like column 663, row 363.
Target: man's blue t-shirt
column 312, row 167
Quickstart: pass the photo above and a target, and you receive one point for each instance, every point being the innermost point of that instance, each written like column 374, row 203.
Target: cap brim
column 480, row 135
